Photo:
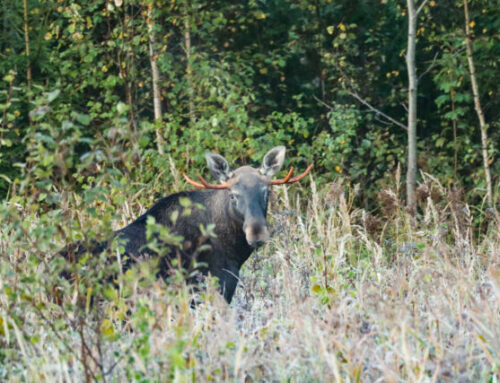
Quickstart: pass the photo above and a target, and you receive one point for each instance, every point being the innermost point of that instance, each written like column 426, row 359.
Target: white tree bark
column 156, row 79
column 477, row 106
column 27, row 44
column 411, row 175
column 189, row 73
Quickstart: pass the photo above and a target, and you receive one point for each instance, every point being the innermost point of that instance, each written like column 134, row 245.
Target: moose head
column 247, row 190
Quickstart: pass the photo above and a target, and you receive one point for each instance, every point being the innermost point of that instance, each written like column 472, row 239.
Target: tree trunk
column 455, row 147
column 411, row 175
column 27, row 44
column 156, row 80
column 130, row 103
column 477, row 105
column 28, row 55
column 189, row 74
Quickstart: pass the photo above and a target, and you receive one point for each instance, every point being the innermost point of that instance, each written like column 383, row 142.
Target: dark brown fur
column 238, row 213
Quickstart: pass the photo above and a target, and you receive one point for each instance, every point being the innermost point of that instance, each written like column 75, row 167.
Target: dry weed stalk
column 325, row 300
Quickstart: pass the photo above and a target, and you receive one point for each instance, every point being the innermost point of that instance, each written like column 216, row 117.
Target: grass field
column 336, row 295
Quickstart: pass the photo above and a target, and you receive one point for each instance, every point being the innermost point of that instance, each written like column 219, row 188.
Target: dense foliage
column 352, row 286
column 239, row 77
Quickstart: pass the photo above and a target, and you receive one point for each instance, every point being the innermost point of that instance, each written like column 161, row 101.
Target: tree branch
column 433, row 63
column 156, row 80
column 421, row 6
column 375, row 110
column 329, row 107
column 364, row 102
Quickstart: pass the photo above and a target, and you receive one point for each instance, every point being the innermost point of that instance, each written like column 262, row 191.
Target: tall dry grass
column 337, row 295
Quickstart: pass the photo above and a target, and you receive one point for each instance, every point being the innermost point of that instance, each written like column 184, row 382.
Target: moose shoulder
column 237, row 207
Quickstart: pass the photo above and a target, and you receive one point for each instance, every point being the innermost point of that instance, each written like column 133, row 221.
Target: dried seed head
column 371, row 223
column 423, row 192
column 389, row 201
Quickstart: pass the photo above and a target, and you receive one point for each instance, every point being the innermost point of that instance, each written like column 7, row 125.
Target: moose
column 237, row 207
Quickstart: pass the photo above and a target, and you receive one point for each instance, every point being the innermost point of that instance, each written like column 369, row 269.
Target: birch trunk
column 28, row 54
column 156, row 79
column 454, row 125
column 411, row 175
column 27, row 44
column 477, row 106
column 189, row 74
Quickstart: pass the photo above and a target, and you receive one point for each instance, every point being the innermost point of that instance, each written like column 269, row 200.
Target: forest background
column 237, row 78
column 105, row 103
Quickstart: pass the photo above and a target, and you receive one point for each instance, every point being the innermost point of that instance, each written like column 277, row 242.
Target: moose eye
column 233, row 197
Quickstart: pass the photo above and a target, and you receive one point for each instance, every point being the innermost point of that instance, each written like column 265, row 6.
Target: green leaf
column 144, row 141
column 5, row 142
column 174, row 216
column 107, row 329
column 440, row 142
column 184, row 201
column 83, row 119
column 51, row 96
column 122, row 108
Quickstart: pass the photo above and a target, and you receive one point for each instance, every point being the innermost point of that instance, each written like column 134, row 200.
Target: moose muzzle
column 256, row 232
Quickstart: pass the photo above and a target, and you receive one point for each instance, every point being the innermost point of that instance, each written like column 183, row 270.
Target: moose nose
column 257, row 229
column 256, row 233
column 256, row 244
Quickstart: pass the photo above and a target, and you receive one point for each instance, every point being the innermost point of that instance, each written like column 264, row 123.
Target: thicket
column 238, row 77
column 104, row 103
column 336, row 295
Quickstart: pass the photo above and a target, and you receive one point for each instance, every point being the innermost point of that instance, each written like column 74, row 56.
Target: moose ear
column 218, row 166
column 273, row 161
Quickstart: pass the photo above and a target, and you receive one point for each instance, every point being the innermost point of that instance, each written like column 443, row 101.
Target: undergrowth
column 337, row 294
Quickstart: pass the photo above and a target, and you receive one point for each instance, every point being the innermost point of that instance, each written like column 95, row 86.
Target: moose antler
column 288, row 180
column 204, row 184
column 283, row 180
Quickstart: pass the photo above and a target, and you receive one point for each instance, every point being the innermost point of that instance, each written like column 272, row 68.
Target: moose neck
column 228, row 227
